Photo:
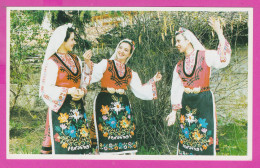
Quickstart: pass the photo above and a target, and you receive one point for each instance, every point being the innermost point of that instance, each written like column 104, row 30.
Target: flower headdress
column 180, row 31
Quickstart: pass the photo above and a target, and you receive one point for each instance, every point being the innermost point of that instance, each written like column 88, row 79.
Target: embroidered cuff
column 154, row 90
column 58, row 103
column 88, row 70
column 176, row 106
column 226, row 50
column 85, row 90
column 87, row 74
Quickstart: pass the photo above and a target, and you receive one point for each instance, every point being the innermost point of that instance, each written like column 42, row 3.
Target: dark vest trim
column 193, row 67
column 75, row 74
column 117, row 71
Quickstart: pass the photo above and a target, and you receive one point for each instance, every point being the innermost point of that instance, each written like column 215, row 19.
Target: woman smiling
column 113, row 125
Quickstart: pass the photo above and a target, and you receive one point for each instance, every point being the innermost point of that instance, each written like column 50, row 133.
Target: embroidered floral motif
column 190, row 118
column 204, row 130
column 133, row 126
column 182, row 119
column 63, row 117
column 112, row 122
column 116, row 122
column 100, row 127
column 211, row 141
column 118, row 146
column 127, row 108
column 194, row 134
column 204, row 147
column 57, row 137
column 64, row 145
column 105, row 134
column 72, row 133
column 84, row 131
column 117, row 107
column 186, row 132
column 76, row 114
column 104, row 118
column 104, row 109
column 124, row 123
column 203, row 122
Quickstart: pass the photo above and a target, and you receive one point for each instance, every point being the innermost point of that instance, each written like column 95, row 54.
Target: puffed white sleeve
column 145, row 92
column 95, row 73
column 52, row 95
column 219, row 58
column 176, row 90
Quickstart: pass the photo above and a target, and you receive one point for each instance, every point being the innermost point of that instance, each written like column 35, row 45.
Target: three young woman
column 112, row 126
column 191, row 92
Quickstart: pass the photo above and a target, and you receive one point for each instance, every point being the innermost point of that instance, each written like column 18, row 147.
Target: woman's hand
column 76, row 94
column 157, row 77
column 72, row 90
column 87, row 56
column 171, row 118
column 216, row 25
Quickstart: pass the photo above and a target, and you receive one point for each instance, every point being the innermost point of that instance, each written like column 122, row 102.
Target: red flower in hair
column 133, row 45
column 180, row 30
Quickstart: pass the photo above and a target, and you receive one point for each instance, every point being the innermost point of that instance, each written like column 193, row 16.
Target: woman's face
column 181, row 43
column 69, row 44
column 123, row 52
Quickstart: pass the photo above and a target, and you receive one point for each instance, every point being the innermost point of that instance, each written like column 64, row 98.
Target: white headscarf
column 115, row 53
column 191, row 38
column 57, row 38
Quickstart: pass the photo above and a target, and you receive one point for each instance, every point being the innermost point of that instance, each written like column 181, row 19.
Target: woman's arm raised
column 219, row 58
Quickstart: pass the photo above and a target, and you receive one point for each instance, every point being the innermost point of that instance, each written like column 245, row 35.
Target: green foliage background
column 153, row 33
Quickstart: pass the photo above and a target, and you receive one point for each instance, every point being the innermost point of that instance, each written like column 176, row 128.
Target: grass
column 145, row 151
column 26, row 133
column 233, row 140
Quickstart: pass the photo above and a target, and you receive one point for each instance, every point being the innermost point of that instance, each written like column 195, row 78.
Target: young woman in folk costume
column 62, row 87
column 191, row 92
column 113, row 125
